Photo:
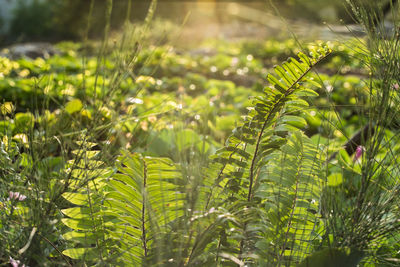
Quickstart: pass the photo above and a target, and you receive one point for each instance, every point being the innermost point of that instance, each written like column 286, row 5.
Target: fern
column 146, row 199
column 87, row 218
column 265, row 128
column 241, row 166
column 120, row 218
column 289, row 190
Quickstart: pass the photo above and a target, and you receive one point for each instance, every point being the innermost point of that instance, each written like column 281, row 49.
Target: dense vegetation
column 128, row 153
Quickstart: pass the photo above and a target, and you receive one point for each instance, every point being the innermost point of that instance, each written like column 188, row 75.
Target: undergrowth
column 84, row 181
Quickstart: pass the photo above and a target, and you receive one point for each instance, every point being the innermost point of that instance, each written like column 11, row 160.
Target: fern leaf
column 145, row 195
column 87, row 220
column 290, row 188
column 271, row 118
column 237, row 180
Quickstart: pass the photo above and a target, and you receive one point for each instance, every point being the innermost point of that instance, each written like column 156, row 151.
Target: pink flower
column 359, row 151
column 16, row 195
column 396, row 86
column 15, row 263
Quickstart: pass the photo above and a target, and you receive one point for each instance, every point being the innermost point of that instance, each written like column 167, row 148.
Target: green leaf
column 82, row 238
column 82, row 253
column 306, row 92
column 296, row 121
column 274, row 81
column 24, row 122
column 316, row 84
column 284, row 75
column 73, row 106
column 335, row 179
column 306, row 60
column 298, row 65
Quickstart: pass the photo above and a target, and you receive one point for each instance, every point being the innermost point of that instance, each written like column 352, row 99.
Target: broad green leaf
column 82, row 253
column 296, row 121
column 335, row 179
column 76, row 198
column 73, row 106
column 24, row 122
column 86, row 224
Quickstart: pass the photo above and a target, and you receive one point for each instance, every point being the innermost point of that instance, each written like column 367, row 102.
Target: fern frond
column 265, row 127
column 146, row 198
column 239, row 168
column 88, row 219
column 119, row 217
column 289, row 190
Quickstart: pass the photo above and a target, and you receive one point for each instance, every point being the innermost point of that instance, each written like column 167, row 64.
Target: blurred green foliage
column 55, row 20
column 60, row 20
